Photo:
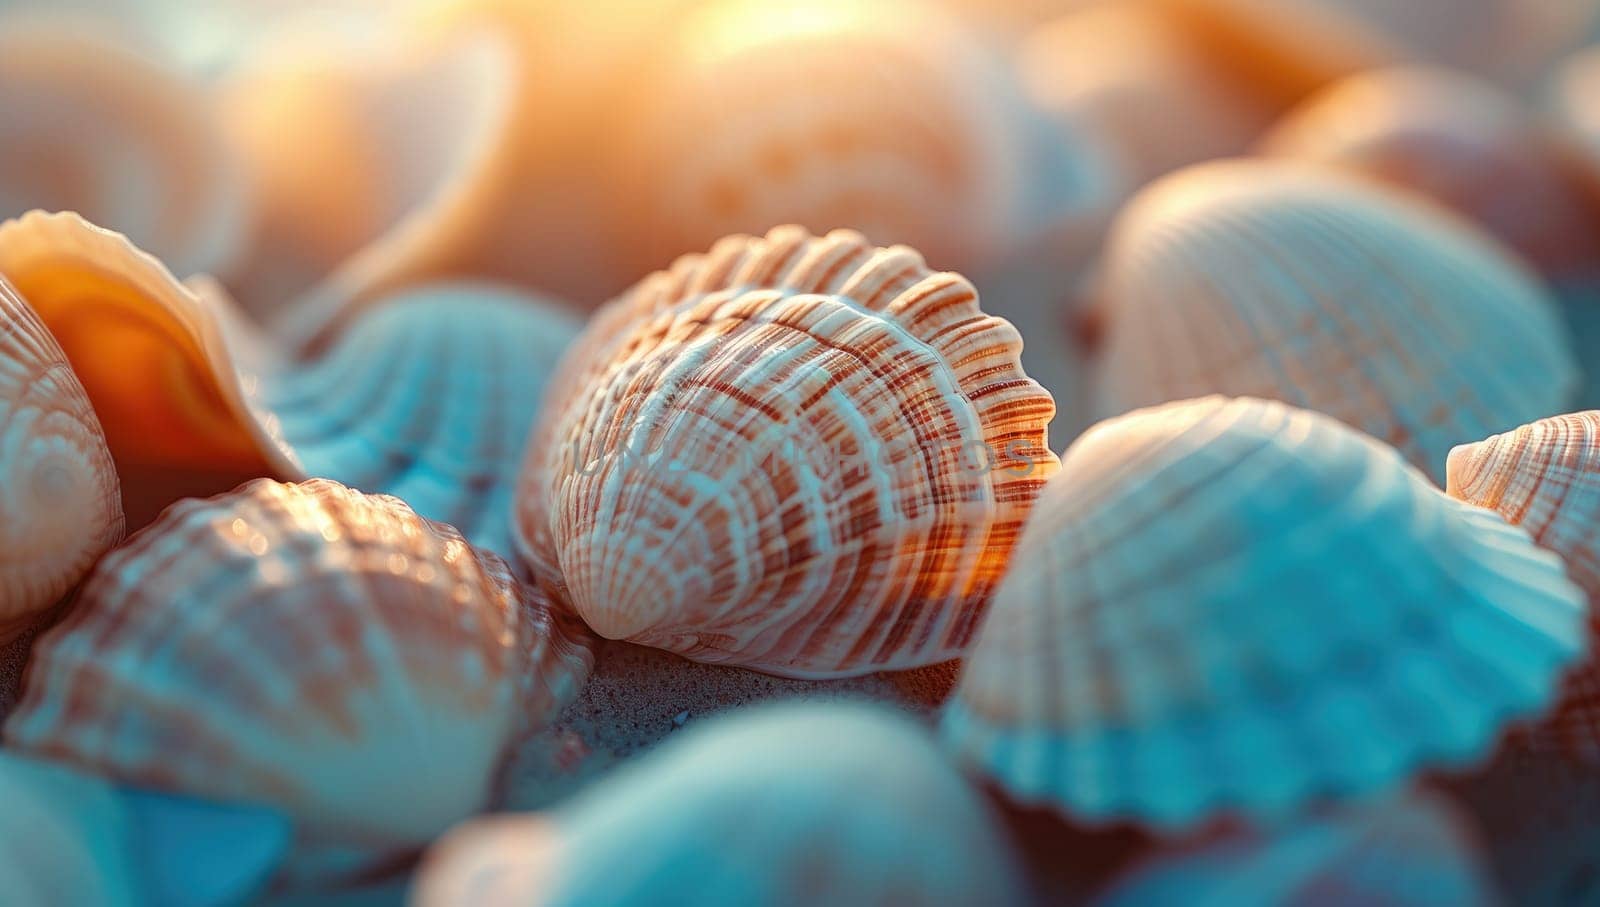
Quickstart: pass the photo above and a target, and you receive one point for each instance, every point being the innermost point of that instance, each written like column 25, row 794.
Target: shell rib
column 74, row 839
column 1413, row 850
column 60, row 507
column 734, row 814
column 1437, row 132
column 96, row 127
column 306, row 647
column 429, row 395
column 1545, row 477
column 1307, row 285
column 819, row 471
column 1234, row 606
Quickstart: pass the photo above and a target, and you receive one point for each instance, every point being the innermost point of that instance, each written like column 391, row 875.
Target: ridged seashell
column 1131, row 72
column 59, row 501
column 806, row 456
column 402, row 153
column 102, row 129
column 1304, row 284
column 428, row 395
column 74, row 839
column 1234, row 606
column 1439, row 132
column 749, row 811
column 1406, row 851
column 885, row 117
column 324, row 652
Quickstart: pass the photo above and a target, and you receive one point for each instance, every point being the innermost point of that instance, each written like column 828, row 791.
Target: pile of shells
column 1096, row 451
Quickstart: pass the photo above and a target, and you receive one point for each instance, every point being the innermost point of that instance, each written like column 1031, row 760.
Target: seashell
column 1412, row 850
column 1183, row 635
column 803, row 455
column 180, row 378
column 73, row 839
column 885, row 117
column 59, row 502
column 1300, row 283
column 1438, row 132
column 733, row 814
column 306, row 647
column 402, row 154
column 94, row 126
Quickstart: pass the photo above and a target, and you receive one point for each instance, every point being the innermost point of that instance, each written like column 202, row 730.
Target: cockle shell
column 804, row 455
column 328, row 653
column 749, row 811
column 402, row 153
column 97, row 127
column 1234, row 606
column 1439, row 132
column 1412, row 850
column 75, row 839
column 428, row 395
column 884, row 117
column 1302, row 283
column 59, row 502
column 1545, row 477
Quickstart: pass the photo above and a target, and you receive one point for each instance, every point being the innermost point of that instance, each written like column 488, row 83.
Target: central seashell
column 804, row 455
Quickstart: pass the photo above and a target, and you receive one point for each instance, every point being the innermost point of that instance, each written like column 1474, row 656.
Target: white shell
column 309, row 647
column 1305, row 284
column 74, row 839
column 1413, row 850
column 750, row 811
column 1234, row 606
column 60, row 506
column 428, row 395
column 100, row 128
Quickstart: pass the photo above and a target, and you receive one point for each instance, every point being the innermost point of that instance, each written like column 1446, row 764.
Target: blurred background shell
column 1183, row 635
column 808, row 483
column 748, row 810
column 1296, row 282
column 91, row 124
column 308, row 647
column 60, row 506
column 1408, row 850
column 428, row 394
column 1461, row 141
column 75, row 839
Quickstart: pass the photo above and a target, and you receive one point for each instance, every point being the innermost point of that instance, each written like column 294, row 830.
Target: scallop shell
column 1300, row 283
column 883, row 117
column 1234, row 606
column 816, row 471
column 734, row 814
column 98, row 127
column 1438, row 132
column 307, row 647
column 1413, row 850
column 428, row 396
column 402, row 155
column 59, row 501
column 73, row 839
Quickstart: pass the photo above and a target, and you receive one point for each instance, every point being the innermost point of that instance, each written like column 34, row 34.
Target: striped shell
column 1413, row 850
column 880, row 116
column 1299, row 283
column 98, row 127
column 806, row 456
column 748, row 811
column 428, row 396
column 59, row 501
column 1438, row 132
column 308, row 647
column 1233, row 606
column 74, row 839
